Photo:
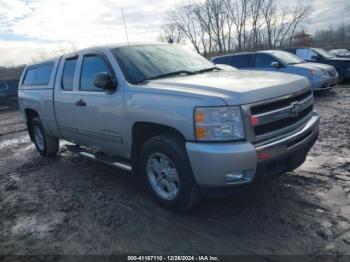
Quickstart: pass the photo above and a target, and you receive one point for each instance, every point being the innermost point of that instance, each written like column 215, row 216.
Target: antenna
column 126, row 30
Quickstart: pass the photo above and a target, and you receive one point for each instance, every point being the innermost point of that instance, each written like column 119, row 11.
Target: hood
column 315, row 65
column 234, row 87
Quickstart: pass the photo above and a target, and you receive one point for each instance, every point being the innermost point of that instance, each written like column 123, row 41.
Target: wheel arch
column 30, row 114
column 143, row 131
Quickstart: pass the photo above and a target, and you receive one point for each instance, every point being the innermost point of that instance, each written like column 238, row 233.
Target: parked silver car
column 183, row 126
column 321, row 76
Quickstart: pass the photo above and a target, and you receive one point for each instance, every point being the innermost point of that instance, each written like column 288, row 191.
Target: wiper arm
column 207, row 70
column 171, row 74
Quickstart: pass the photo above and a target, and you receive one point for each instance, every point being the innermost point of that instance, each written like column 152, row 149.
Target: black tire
column 174, row 148
column 50, row 144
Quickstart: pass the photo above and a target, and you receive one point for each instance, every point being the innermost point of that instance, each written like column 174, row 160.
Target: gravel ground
column 72, row 205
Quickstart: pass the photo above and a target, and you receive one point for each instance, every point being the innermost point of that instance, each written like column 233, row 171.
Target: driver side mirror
column 105, row 81
column 276, row 65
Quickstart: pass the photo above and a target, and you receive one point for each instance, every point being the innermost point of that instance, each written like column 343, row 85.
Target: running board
column 100, row 157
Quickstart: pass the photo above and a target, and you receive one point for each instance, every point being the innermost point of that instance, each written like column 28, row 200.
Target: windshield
column 323, row 53
column 287, row 57
column 145, row 62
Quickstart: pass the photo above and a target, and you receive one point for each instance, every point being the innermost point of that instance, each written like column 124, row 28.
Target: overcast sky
column 30, row 28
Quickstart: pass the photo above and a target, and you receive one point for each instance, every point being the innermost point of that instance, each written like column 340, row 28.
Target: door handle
column 80, row 103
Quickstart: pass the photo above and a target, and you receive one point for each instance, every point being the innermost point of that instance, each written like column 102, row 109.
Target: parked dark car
column 320, row 55
column 322, row 77
column 8, row 93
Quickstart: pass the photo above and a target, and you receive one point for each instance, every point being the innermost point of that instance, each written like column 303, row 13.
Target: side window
column 305, row 53
column 221, row 60
column 38, row 75
column 241, row 61
column 29, row 77
column 3, row 85
column 43, row 74
column 264, row 61
column 92, row 65
column 68, row 74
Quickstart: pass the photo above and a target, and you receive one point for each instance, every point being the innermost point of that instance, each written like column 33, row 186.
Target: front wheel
column 45, row 144
column 168, row 174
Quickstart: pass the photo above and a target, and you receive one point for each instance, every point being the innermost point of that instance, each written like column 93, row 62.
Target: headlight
column 218, row 123
column 315, row 72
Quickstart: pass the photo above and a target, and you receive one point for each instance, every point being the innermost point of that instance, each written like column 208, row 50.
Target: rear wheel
column 45, row 144
column 168, row 174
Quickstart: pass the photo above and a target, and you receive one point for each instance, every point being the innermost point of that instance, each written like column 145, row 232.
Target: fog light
column 234, row 176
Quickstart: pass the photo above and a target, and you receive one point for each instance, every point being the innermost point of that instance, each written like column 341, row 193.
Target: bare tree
column 225, row 25
column 335, row 37
column 255, row 20
column 171, row 33
column 203, row 15
column 239, row 14
column 185, row 19
column 217, row 22
column 299, row 14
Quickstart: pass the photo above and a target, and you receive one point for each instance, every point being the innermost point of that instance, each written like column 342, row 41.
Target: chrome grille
column 276, row 117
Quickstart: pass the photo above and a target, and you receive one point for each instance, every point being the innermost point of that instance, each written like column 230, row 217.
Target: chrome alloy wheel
column 39, row 138
column 162, row 175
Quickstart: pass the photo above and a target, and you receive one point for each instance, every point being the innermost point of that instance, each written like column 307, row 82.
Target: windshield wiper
column 171, row 74
column 207, row 70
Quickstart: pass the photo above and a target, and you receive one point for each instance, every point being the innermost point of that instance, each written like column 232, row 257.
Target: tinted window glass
column 241, row 61
column 92, row 65
column 221, row 60
column 2, row 85
column 306, row 54
column 43, row 74
column 38, row 75
column 30, row 76
column 264, row 61
column 68, row 74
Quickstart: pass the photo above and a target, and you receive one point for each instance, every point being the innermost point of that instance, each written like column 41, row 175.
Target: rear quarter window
column 43, row 74
column 29, row 77
column 38, row 75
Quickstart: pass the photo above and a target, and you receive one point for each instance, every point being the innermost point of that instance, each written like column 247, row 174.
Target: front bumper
column 325, row 84
column 213, row 162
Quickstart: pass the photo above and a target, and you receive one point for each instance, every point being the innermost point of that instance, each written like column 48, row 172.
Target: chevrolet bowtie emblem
column 296, row 109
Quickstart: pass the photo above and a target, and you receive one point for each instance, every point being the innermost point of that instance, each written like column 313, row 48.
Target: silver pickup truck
column 182, row 125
